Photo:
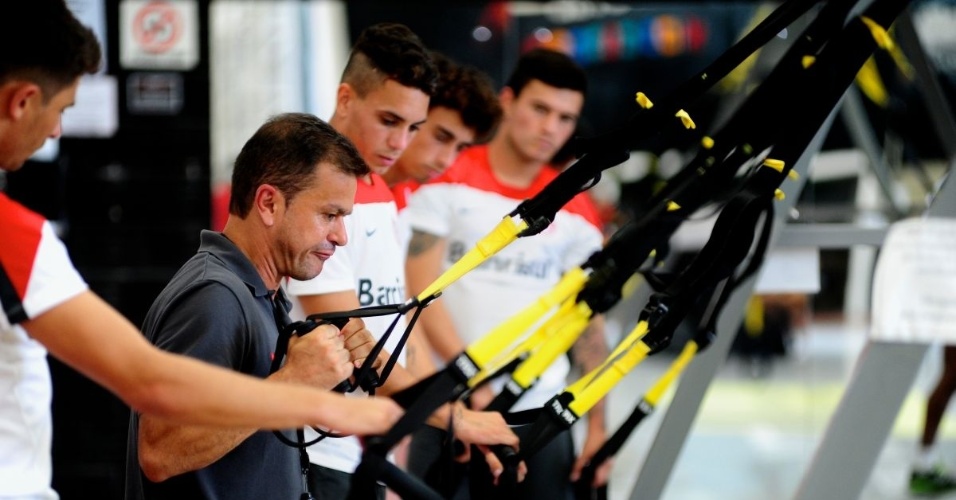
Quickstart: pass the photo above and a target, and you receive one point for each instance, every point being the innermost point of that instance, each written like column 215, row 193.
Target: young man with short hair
column 47, row 308
column 541, row 101
column 380, row 105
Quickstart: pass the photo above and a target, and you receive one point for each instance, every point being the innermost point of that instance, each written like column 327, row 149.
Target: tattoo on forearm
column 590, row 350
column 410, row 353
column 421, row 242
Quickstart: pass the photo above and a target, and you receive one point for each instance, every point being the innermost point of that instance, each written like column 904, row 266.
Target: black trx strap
column 732, row 237
column 629, row 248
column 603, row 152
column 538, row 212
column 10, row 300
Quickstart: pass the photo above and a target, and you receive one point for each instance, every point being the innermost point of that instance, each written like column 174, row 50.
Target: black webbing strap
column 284, row 325
column 12, row 305
column 365, row 376
column 419, row 401
column 583, row 487
column 376, row 465
column 790, row 150
column 603, row 152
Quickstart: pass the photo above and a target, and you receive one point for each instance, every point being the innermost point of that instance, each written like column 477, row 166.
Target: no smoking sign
column 159, row 34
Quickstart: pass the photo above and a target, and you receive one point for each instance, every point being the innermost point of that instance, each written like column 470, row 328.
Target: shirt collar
column 218, row 245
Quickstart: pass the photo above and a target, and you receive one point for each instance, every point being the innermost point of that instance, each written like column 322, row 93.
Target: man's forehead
column 408, row 103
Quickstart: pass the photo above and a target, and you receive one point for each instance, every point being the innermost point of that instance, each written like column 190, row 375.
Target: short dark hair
column 468, row 91
column 44, row 43
column 550, row 67
column 284, row 153
column 389, row 51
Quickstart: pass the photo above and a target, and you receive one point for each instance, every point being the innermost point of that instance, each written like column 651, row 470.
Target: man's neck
column 338, row 123
column 255, row 248
column 509, row 166
column 393, row 176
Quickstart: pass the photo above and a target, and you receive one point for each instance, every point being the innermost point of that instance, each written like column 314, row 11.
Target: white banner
column 914, row 288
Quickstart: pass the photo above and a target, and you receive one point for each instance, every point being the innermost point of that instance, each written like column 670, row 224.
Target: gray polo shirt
column 217, row 309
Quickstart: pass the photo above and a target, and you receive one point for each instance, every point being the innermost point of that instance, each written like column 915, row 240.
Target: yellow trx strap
column 490, row 352
column 501, row 236
column 554, row 338
column 654, row 394
column 595, row 385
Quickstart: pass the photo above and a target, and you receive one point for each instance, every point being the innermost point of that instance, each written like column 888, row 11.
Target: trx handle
column 366, row 376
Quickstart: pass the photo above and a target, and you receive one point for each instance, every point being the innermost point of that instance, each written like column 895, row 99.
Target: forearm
column 167, row 450
column 440, row 332
column 418, row 355
column 422, row 268
column 113, row 353
column 589, row 352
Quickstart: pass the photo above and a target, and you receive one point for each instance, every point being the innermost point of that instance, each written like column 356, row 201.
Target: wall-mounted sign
column 154, row 93
column 159, row 34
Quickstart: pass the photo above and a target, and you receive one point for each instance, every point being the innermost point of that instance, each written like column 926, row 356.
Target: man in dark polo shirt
column 292, row 184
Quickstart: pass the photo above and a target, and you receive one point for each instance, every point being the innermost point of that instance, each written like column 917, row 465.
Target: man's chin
column 310, row 274
column 12, row 166
column 379, row 169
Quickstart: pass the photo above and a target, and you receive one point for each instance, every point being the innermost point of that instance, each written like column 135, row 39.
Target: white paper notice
column 914, row 289
column 96, row 110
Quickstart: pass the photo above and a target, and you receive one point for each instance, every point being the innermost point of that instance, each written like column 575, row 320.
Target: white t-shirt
column 372, row 264
column 464, row 205
column 36, row 275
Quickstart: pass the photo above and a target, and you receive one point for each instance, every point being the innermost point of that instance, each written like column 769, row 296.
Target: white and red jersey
column 36, row 275
column 372, row 264
column 462, row 206
column 402, row 191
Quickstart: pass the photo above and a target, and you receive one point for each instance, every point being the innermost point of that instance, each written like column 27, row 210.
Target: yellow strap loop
column 879, row 33
column 655, row 393
column 528, row 345
column 643, row 101
column 490, row 350
column 501, row 236
column 775, row 164
column 632, row 339
column 686, row 119
column 559, row 336
column 600, row 383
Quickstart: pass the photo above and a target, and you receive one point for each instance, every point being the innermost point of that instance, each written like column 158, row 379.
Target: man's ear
column 17, row 97
column 505, row 98
column 344, row 96
column 269, row 203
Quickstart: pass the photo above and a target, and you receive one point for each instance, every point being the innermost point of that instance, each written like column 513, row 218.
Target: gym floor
column 760, row 422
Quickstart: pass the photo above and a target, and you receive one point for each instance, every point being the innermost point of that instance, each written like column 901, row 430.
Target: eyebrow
column 338, row 210
column 543, row 104
column 400, row 118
